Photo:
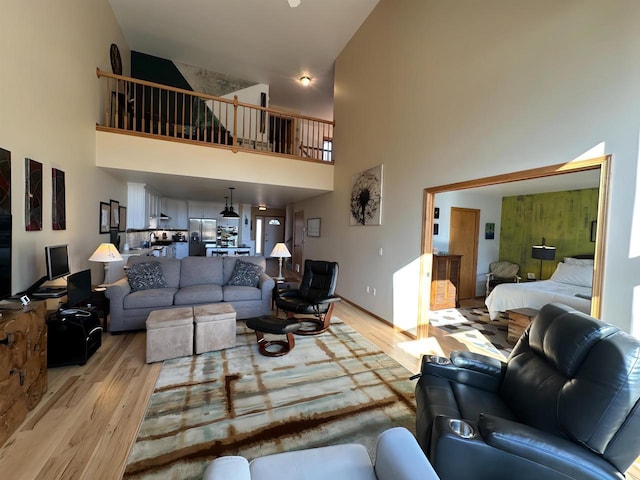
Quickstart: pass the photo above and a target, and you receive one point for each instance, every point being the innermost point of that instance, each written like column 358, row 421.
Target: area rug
column 474, row 328
column 331, row 388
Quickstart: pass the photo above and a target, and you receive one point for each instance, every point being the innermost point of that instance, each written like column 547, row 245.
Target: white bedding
column 508, row 296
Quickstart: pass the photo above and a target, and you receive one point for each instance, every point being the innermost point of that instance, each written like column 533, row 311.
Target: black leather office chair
column 566, row 404
column 315, row 296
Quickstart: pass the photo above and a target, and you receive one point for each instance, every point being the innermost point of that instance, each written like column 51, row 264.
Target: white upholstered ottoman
column 169, row 334
column 215, row 327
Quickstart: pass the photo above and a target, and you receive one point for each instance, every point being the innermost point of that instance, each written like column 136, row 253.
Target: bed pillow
column 245, row 274
column 581, row 275
column 145, row 276
column 584, row 262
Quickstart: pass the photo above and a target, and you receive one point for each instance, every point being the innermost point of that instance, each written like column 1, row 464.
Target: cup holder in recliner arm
column 461, row 428
column 438, row 360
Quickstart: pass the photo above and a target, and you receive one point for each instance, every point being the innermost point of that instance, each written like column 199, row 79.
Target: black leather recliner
column 315, row 296
column 566, row 404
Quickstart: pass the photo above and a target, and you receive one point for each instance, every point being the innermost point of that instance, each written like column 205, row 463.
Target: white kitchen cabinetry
column 152, row 204
column 182, row 249
column 177, row 210
column 199, row 209
column 136, row 206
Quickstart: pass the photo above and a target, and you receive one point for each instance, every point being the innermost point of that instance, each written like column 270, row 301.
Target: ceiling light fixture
column 230, row 213
column 293, row 3
column 305, row 80
column 262, row 208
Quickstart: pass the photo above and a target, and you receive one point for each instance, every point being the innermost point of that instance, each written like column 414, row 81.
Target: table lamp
column 543, row 252
column 280, row 251
column 106, row 253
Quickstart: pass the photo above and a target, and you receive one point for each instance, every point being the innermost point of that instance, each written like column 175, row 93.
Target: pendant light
column 226, row 207
column 230, row 213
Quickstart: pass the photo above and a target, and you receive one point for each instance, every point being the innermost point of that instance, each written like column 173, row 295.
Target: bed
column 570, row 284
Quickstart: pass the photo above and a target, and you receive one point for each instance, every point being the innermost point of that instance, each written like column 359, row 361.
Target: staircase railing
column 151, row 109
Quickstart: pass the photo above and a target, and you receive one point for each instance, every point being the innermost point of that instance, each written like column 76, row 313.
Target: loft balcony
column 149, row 127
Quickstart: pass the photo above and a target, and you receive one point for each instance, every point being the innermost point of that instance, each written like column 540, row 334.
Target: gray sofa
column 190, row 281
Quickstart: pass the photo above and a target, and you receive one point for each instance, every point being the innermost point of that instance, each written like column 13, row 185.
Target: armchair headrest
column 565, row 336
column 319, row 279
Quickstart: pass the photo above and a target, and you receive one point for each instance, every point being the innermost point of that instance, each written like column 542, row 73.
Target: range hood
column 162, row 216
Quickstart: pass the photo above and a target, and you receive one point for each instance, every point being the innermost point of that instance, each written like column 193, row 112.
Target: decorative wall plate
column 116, row 61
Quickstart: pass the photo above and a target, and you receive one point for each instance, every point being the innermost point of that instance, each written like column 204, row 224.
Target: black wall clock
column 116, row 61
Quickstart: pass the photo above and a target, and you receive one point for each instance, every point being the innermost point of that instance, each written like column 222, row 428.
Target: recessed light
column 305, row 80
column 294, row 3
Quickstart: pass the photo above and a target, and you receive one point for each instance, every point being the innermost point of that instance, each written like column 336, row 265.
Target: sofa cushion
column 201, row 271
column 145, row 276
column 196, row 294
column 156, row 297
column 245, row 274
column 170, row 267
column 230, row 261
column 232, row 293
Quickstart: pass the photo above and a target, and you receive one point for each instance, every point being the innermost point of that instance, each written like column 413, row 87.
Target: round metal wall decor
column 116, row 61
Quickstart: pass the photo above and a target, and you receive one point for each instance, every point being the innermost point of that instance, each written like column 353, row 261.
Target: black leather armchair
column 315, row 296
column 566, row 404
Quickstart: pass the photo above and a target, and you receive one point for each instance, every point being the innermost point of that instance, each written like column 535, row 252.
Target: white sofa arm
column 399, row 457
column 228, row 468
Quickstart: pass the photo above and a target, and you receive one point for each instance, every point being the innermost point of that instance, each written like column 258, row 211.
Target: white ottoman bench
column 215, row 327
column 169, row 334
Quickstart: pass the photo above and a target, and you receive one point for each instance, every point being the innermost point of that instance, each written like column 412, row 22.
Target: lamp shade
column 280, row 250
column 106, row 252
column 543, row 252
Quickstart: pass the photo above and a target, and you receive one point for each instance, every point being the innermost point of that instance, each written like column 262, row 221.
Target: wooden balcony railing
column 153, row 109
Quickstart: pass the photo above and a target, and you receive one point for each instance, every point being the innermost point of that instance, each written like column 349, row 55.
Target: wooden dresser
column 23, row 364
column 445, row 278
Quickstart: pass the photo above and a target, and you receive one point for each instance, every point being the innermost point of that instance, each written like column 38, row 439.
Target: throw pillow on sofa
column 145, row 276
column 245, row 274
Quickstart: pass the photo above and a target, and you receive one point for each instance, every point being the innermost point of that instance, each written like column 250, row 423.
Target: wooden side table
column 519, row 320
column 101, row 303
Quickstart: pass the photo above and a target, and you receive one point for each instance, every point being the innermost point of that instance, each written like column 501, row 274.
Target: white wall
column 50, row 104
column 441, row 92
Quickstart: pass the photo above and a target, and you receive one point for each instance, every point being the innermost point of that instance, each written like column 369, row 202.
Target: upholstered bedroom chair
column 315, row 297
column 502, row 272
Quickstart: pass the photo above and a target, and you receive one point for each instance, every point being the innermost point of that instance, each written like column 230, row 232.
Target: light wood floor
column 87, row 421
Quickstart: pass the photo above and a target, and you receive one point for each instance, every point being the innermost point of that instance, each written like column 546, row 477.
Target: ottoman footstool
column 169, row 334
column 215, row 327
column 277, row 326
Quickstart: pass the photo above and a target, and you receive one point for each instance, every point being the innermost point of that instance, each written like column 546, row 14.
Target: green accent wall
column 562, row 218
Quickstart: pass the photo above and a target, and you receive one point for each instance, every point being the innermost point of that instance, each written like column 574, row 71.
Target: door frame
column 602, row 163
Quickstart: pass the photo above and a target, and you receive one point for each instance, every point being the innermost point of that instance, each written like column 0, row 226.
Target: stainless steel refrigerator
column 201, row 231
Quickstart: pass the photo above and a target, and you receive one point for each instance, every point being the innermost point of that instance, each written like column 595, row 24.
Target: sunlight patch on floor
column 424, row 346
column 476, row 342
column 447, row 317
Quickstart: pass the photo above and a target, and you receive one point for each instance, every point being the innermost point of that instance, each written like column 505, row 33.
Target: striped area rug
column 332, row 388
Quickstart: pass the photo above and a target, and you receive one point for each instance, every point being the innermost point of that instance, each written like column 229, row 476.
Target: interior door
column 463, row 240
column 298, row 241
column 273, row 233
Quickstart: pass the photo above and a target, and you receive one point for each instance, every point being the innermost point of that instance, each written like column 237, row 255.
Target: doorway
column 298, row 241
column 463, row 240
column 273, row 233
column 601, row 164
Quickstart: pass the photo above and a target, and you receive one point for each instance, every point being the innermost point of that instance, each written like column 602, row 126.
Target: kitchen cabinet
column 136, row 206
column 182, row 249
column 199, row 209
column 177, row 210
column 445, row 278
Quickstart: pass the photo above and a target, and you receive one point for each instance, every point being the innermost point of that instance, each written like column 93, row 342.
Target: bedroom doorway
column 599, row 165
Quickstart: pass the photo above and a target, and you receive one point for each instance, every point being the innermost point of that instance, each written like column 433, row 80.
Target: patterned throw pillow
column 245, row 274
column 145, row 276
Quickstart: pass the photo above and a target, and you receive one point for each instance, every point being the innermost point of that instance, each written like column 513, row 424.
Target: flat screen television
column 57, row 261
column 5, row 256
column 79, row 288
